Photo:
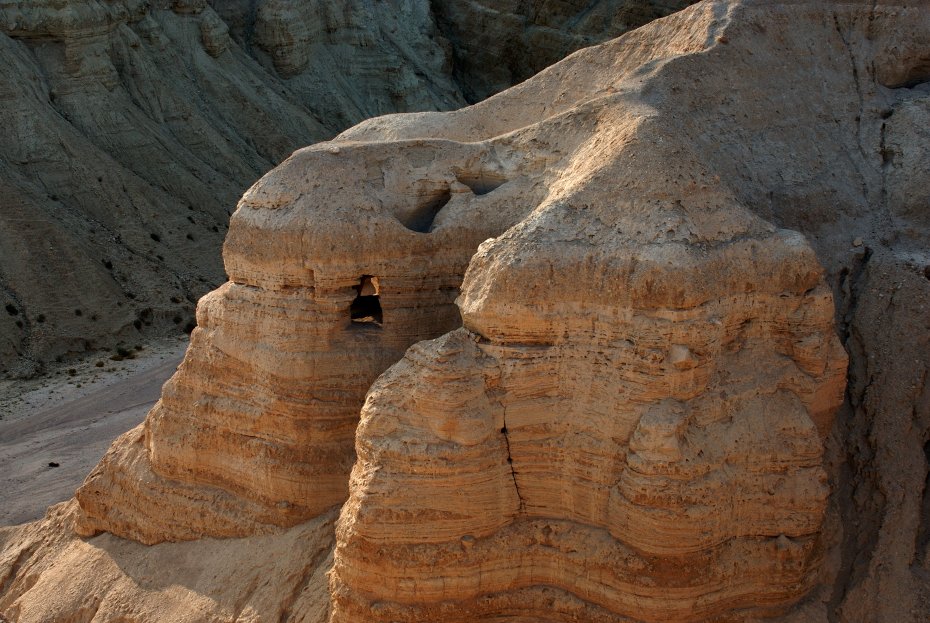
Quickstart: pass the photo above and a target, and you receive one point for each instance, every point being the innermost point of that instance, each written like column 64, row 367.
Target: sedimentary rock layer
column 654, row 371
column 129, row 129
column 663, row 243
column 331, row 281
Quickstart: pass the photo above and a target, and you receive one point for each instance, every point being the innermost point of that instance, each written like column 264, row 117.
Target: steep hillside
column 130, row 128
column 643, row 338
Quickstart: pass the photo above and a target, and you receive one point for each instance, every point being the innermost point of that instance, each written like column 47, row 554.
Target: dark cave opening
column 366, row 308
column 421, row 218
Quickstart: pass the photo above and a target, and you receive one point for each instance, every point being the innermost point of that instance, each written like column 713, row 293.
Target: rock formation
column 658, row 248
column 130, row 128
column 497, row 44
column 125, row 143
column 330, row 283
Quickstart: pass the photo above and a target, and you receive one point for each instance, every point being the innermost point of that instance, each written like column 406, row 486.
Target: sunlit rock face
column 130, row 128
column 333, row 275
column 646, row 371
column 574, row 353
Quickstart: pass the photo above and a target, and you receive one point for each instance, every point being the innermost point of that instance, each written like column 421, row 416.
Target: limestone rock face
column 644, row 379
column 330, row 283
column 129, row 129
column 631, row 422
column 600, row 320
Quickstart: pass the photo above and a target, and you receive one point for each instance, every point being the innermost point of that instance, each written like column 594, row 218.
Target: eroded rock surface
column 331, row 282
column 129, row 129
column 660, row 247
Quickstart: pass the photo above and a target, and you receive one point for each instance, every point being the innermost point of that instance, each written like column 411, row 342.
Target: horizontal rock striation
column 684, row 454
column 634, row 413
column 130, row 128
column 330, row 283
column 600, row 321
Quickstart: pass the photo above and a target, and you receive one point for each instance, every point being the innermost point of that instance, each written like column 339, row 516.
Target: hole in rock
column 907, row 76
column 428, row 205
column 481, row 182
column 366, row 308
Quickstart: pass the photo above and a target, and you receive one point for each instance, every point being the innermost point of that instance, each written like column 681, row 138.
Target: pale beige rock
column 110, row 579
column 266, row 403
column 129, row 129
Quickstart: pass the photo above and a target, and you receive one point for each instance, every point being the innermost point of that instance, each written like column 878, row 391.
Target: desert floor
column 55, row 428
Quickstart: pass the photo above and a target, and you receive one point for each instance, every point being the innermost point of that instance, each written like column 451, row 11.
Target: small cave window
column 427, row 206
column 366, row 308
column 481, row 182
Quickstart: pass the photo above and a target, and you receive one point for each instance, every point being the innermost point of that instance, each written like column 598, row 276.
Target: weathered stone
column 630, row 422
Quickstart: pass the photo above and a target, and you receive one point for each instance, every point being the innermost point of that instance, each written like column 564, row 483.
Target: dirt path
column 74, row 433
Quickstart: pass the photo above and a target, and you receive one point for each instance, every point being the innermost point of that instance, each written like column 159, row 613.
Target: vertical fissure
column 923, row 533
column 513, row 472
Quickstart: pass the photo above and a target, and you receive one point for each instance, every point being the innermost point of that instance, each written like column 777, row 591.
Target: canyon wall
column 129, row 129
column 643, row 338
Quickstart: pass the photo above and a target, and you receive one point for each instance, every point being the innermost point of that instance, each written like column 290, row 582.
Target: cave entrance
column 366, row 308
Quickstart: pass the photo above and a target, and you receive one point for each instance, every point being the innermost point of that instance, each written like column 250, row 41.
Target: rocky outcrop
column 111, row 579
column 630, row 423
column 642, row 412
column 267, row 400
column 498, row 43
column 130, row 129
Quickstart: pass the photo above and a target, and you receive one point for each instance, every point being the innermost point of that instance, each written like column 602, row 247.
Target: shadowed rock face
column 129, row 129
column 659, row 248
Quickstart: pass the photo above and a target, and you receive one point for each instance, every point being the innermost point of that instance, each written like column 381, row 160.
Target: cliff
column 640, row 339
column 129, row 129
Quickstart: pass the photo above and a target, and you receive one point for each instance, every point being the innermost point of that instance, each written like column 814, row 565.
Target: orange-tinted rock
column 630, row 422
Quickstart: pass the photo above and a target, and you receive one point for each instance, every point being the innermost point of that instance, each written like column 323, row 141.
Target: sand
column 55, row 428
